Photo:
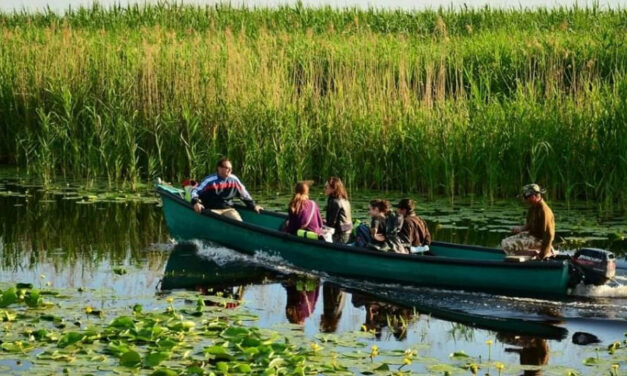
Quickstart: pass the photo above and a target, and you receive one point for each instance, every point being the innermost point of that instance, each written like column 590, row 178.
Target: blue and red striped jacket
column 215, row 192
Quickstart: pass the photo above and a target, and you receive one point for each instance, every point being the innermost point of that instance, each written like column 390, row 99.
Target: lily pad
column 130, row 359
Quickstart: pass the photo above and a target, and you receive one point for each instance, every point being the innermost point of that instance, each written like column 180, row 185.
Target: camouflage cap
column 530, row 190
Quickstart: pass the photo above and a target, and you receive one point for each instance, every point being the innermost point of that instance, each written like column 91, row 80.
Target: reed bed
column 467, row 102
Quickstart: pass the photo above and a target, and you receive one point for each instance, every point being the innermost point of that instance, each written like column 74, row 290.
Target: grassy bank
column 456, row 103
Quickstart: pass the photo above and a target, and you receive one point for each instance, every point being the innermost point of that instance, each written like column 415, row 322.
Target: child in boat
column 303, row 213
column 384, row 228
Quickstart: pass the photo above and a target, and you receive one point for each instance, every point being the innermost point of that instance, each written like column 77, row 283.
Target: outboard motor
column 597, row 265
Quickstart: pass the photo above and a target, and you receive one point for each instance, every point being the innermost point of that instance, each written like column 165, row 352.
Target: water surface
column 75, row 238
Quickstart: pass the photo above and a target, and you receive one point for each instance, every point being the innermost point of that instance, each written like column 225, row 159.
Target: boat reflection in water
column 186, row 269
column 189, row 269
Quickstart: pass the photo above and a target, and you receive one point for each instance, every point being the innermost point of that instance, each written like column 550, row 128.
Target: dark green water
column 73, row 238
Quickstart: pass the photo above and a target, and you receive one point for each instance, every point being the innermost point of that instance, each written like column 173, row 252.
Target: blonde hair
column 301, row 194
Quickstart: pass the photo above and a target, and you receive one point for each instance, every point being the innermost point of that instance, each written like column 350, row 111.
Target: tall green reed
column 469, row 102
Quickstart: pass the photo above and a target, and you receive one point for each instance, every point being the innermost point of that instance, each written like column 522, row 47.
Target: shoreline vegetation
column 455, row 103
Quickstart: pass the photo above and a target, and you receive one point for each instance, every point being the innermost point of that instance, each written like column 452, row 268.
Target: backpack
column 393, row 225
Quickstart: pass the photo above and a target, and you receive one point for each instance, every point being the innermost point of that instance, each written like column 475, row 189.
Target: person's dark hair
column 407, row 204
column 301, row 194
column 382, row 205
column 337, row 186
column 221, row 161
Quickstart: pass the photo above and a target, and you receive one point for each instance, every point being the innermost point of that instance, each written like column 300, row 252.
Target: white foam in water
column 220, row 255
column 605, row 291
column 279, row 264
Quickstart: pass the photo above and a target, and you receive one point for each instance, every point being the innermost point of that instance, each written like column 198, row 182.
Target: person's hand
column 198, row 207
column 379, row 237
column 257, row 208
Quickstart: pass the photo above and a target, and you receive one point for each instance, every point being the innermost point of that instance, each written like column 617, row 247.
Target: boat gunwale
column 534, row 264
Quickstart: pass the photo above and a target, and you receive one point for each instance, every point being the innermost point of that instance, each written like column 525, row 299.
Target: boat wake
column 223, row 256
column 218, row 254
column 617, row 288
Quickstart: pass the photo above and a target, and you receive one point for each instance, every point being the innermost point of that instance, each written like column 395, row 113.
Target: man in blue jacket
column 216, row 192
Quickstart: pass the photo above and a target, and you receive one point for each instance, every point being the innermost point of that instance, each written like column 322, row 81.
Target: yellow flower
column 88, row 309
column 315, row 347
column 614, row 367
column 374, row 351
column 42, row 276
column 499, row 366
column 169, row 299
column 406, row 361
column 364, row 328
column 489, row 342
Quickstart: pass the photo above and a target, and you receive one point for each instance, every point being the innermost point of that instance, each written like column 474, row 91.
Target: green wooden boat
column 452, row 266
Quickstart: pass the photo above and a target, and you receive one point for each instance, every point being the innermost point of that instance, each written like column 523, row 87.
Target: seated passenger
column 338, row 210
column 303, row 213
column 216, row 193
column 384, row 229
column 536, row 237
column 414, row 234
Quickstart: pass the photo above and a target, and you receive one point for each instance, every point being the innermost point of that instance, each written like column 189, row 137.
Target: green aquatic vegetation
column 499, row 97
column 120, row 270
column 177, row 341
column 24, row 294
column 446, row 369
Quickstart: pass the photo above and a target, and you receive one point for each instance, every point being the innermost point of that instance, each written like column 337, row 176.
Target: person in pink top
column 303, row 213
